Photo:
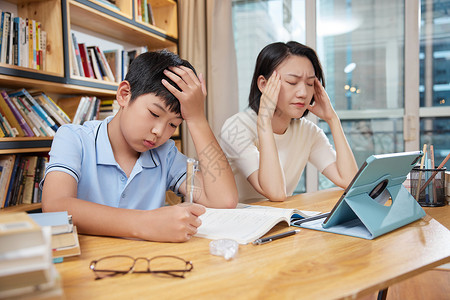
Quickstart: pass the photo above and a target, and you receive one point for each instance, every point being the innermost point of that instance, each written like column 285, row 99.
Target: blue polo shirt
column 85, row 153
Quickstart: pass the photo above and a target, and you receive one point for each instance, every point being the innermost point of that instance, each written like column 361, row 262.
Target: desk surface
column 309, row 265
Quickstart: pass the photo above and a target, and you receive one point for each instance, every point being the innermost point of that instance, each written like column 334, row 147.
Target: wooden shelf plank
column 21, row 207
column 14, row 82
column 92, row 19
column 25, row 145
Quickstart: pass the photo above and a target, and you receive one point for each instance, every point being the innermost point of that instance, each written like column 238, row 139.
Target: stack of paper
column 64, row 234
column 25, row 258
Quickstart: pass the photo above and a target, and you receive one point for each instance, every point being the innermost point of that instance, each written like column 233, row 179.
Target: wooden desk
column 309, row 265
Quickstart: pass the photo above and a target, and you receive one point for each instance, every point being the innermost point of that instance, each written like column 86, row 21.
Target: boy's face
column 147, row 123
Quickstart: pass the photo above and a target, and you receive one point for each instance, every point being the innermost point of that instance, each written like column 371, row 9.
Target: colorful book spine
column 77, row 55
column 25, row 127
column 37, row 108
column 87, row 68
column 58, row 109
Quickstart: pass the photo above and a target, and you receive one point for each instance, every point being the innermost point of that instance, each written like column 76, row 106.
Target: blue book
column 8, row 201
column 36, row 107
column 59, row 221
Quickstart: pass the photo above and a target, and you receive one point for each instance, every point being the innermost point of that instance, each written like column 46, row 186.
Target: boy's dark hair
column 146, row 72
column 273, row 55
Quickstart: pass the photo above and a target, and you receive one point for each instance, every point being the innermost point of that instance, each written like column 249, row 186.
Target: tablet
column 375, row 177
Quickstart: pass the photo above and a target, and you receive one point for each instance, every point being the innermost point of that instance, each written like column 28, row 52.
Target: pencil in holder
column 431, row 193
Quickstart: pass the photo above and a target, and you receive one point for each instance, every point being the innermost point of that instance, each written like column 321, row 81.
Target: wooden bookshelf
column 56, row 18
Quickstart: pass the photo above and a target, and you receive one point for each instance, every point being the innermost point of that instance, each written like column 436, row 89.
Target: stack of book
column 26, row 263
column 64, row 234
column 20, row 176
column 23, row 114
column 22, row 42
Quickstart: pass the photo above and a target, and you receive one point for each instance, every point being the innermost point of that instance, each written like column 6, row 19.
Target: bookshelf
column 57, row 17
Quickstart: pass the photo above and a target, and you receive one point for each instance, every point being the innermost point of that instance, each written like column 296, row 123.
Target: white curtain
column 206, row 41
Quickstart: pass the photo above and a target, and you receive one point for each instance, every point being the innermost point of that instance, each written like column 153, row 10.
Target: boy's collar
column 105, row 155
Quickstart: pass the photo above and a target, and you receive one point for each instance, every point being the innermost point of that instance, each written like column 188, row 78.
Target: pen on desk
column 298, row 222
column 275, row 237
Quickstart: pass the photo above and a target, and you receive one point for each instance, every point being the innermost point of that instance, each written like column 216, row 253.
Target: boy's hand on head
column 193, row 91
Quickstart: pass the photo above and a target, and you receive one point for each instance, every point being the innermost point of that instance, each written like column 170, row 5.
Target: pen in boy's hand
column 275, row 237
column 190, row 175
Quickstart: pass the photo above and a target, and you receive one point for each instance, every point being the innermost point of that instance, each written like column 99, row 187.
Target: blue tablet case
column 361, row 212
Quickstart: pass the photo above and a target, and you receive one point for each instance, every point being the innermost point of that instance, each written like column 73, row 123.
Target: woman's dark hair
column 146, row 72
column 271, row 57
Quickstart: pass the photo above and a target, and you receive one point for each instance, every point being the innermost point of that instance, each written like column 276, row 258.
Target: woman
column 269, row 144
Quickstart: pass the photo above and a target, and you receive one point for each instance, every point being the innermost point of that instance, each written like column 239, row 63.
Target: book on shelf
column 95, row 64
column 5, row 126
column 36, row 107
column 17, row 187
column 15, row 42
column 132, row 53
column 23, row 43
column 114, row 59
column 106, row 70
column 6, row 22
column 7, row 163
column 78, row 65
column 139, row 10
column 12, row 182
column 57, row 117
column 30, row 174
column 26, row 263
column 17, row 115
column 39, row 175
column 87, row 65
column 144, row 8
column 108, row 107
column 81, row 108
column 151, row 17
column 20, row 179
column 246, row 223
column 42, row 49
column 70, row 105
column 52, row 106
column 29, row 116
column 9, row 115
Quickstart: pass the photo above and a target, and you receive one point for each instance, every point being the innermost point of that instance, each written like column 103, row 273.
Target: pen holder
column 434, row 193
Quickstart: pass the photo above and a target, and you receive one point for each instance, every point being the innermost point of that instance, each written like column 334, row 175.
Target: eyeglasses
column 164, row 265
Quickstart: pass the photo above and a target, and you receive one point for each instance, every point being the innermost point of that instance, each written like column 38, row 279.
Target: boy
column 112, row 175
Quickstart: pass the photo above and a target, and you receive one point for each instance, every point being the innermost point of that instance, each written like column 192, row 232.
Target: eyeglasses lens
column 169, row 265
column 109, row 266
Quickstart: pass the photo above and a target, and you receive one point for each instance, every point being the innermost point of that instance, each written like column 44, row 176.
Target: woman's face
column 297, row 86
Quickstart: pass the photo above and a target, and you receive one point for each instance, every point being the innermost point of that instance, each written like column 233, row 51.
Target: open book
column 245, row 223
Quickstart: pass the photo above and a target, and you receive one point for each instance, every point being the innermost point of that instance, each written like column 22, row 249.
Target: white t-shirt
column 303, row 141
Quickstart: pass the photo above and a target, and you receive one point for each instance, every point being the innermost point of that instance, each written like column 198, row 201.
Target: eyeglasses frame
column 172, row 273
